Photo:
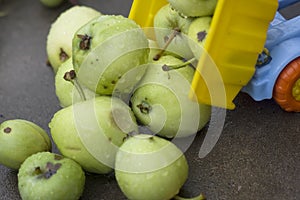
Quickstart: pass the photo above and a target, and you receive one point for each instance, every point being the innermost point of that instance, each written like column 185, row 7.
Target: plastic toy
column 280, row 78
column 251, row 47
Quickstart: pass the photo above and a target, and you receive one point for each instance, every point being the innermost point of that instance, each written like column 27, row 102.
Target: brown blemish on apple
column 7, row 130
column 201, row 35
column 85, row 42
column 113, row 82
column 151, row 138
column 51, row 169
column 63, row 56
column 69, row 76
column 144, row 107
column 37, row 171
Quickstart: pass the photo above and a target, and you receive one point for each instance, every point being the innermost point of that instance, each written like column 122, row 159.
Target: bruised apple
column 48, row 175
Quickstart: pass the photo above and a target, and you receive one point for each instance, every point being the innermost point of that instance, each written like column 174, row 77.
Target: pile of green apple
column 123, row 98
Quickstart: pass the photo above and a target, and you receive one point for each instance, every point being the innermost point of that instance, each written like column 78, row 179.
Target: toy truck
column 251, row 47
column 279, row 77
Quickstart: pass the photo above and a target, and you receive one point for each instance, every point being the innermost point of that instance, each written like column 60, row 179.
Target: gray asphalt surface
column 256, row 157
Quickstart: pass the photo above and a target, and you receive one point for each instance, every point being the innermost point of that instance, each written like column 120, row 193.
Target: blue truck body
column 283, row 43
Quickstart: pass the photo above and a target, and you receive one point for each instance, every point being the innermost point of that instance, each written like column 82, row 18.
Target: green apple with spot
column 194, row 8
column 62, row 30
column 160, row 101
column 46, row 175
column 198, row 31
column 70, row 91
column 171, row 31
column 90, row 132
column 106, row 49
column 19, row 139
column 150, row 167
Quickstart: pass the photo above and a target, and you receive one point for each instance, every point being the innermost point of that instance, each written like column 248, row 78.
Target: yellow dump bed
column 237, row 35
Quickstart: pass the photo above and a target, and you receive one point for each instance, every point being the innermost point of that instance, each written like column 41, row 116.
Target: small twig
column 175, row 32
column 71, row 76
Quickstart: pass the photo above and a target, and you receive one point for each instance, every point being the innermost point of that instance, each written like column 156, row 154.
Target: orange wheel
column 287, row 87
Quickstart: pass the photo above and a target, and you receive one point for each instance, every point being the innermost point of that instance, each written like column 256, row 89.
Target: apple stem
column 175, row 32
column 166, row 67
column 71, row 76
column 200, row 197
column 79, row 89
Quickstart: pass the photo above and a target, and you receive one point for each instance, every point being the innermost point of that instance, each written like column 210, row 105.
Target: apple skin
column 165, row 21
column 165, row 93
column 194, row 8
column 37, row 181
column 62, row 30
column 90, row 132
column 198, row 31
column 107, row 48
column 19, row 139
column 150, row 167
column 65, row 91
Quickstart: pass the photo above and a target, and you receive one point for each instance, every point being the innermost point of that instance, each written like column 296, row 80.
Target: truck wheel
column 287, row 87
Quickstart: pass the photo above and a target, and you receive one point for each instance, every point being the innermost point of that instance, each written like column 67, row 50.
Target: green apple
column 107, row 48
column 90, row 132
column 150, row 167
column 194, row 8
column 52, row 3
column 171, row 31
column 48, row 175
column 161, row 100
column 198, row 31
column 62, row 30
column 69, row 92
column 19, row 139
